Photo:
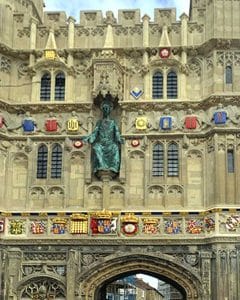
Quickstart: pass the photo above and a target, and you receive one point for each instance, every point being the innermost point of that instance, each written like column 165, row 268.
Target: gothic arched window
column 228, row 75
column 42, row 159
column 230, row 161
column 45, row 92
column 60, row 87
column 56, row 161
column 157, row 86
column 173, row 161
column 158, row 160
column 172, row 85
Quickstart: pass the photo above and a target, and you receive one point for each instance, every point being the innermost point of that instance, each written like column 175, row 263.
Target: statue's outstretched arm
column 91, row 138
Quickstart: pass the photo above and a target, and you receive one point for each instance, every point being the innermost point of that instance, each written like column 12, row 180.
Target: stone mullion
column 206, row 274
column 52, row 96
column 238, row 272
column 146, row 179
column 87, row 166
column 237, row 174
column 220, row 165
column 14, row 267
column 71, row 275
column 70, row 95
column 233, row 275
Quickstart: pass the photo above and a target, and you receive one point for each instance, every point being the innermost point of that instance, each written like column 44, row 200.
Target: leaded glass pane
column 157, row 86
column 172, row 85
column 56, row 161
column 173, row 160
column 45, row 92
column 60, row 87
column 158, row 159
column 42, row 162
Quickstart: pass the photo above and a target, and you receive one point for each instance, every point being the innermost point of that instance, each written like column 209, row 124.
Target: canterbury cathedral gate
column 119, row 150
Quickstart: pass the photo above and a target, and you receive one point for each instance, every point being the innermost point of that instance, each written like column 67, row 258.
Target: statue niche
column 105, row 140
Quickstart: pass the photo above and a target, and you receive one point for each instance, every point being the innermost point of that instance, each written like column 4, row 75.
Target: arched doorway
column 128, row 286
column 92, row 283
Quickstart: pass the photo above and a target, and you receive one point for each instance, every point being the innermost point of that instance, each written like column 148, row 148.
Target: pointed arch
column 112, row 268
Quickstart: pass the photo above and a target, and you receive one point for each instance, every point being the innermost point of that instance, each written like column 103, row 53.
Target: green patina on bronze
column 106, row 139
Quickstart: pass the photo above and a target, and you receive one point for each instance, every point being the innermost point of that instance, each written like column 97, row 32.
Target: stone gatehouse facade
column 173, row 211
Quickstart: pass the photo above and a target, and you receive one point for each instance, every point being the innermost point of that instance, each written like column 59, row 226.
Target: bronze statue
column 106, row 139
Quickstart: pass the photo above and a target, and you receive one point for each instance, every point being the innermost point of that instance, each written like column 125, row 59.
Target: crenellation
column 129, row 17
column 55, row 18
column 164, row 16
column 91, row 18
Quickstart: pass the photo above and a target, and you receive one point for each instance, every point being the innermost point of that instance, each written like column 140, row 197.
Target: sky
column 73, row 7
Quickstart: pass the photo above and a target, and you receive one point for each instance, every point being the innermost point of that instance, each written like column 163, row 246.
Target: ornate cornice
column 160, row 105
column 45, row 107
column 123, row 241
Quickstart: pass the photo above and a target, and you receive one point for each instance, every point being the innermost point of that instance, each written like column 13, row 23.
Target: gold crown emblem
column 59, row 221
column 79, row 217
column 103, row 214
column 151, row 221
column 129, row 218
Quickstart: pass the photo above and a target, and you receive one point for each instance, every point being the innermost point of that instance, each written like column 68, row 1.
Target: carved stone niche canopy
column 112, row 98
column 108, row 80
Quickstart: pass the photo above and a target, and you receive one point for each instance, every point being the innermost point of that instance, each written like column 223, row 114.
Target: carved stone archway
column 161, row 266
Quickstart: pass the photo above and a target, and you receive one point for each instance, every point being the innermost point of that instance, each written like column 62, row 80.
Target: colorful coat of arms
column 191, row 122
column 129, row 224
column 150, row 225
column 79, row 224
column 73, row 125
column 209, row 224
column 51, row 125
column 38, row 227
column 16, row 227
column 172, row 226
column 103, row 223
column 195, row 226
column 166, row 123
column 1, row 226
column 233, row 222
column 220, row 117
column 59, row 226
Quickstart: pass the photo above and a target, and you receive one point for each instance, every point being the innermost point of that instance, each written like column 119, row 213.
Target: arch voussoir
column 162, row 266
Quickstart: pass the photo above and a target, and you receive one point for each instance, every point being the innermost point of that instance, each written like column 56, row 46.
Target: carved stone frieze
column 61, row 31
column 108, row 77
column 44, row 256
column 23, row 70
column 194, row 27
column 195, row 66
column 175, row 28
column 93, row 31
column 53, row 17
column 24, row 32
column 225, row 58
column 155, row 28
column 43, row 31
column 5, row 64
column 18, row 17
